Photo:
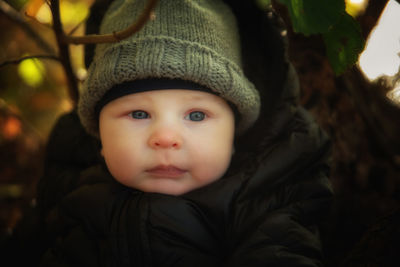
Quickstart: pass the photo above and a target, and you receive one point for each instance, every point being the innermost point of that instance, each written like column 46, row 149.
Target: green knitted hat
column 192, row 40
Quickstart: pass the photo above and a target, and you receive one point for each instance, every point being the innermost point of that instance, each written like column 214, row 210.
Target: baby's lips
column 166, row 171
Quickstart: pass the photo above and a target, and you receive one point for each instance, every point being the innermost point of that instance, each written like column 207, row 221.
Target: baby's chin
column 174, row 185
column 168, row 191
column 166, row 187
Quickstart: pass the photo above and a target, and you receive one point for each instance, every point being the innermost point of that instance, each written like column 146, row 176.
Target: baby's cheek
column 119, row 165
column 213, row 169
column 215, row 159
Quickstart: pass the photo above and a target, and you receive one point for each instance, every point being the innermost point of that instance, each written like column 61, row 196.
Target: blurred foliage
column 344, row 43
column 17, row 4
column 33, row 95
column 314, row 16
column 72, row 12
column 263, row 4
column 341, row 32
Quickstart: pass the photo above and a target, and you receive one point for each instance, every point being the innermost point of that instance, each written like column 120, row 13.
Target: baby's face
column 167, row 141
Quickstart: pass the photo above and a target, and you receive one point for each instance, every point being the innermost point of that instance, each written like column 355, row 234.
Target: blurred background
column 33, row 94
column 359, row 110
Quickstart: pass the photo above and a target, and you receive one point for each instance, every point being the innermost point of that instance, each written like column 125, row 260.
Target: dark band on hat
column 139, row 86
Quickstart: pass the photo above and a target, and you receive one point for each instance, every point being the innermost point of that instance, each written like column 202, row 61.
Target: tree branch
column 64, row 52
column 64, row 40
column 381, row 116
column 16, row 17
column 116, row 36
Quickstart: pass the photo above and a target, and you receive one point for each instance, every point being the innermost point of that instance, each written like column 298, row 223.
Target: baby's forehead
column 174, row 96
column 179, row 93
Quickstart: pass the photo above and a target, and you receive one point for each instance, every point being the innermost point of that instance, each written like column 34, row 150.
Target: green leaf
column 314, row 16
column 263, row 4
column 344, row 43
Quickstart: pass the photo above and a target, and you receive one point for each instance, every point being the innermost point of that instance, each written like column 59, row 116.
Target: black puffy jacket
column 264, row 212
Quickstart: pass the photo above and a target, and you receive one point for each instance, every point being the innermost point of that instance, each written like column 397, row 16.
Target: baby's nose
column 165, row 138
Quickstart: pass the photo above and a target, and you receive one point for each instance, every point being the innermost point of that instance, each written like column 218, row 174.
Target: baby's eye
column 139, row 114
column 196, row 116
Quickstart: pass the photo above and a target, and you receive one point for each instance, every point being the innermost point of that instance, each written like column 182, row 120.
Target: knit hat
column 190, row 40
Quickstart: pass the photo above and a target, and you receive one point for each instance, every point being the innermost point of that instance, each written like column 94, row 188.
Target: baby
column 166, row 97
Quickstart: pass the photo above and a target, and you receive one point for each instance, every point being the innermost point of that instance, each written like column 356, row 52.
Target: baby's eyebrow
column 199, row 98
column 194, row 98
column 135, row 99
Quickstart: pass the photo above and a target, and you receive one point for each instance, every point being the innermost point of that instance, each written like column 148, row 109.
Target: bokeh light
column 356, row 7
column 31, row 71
column 381, row 55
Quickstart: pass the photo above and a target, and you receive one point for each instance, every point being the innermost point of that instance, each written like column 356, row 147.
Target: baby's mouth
column 169, row 171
